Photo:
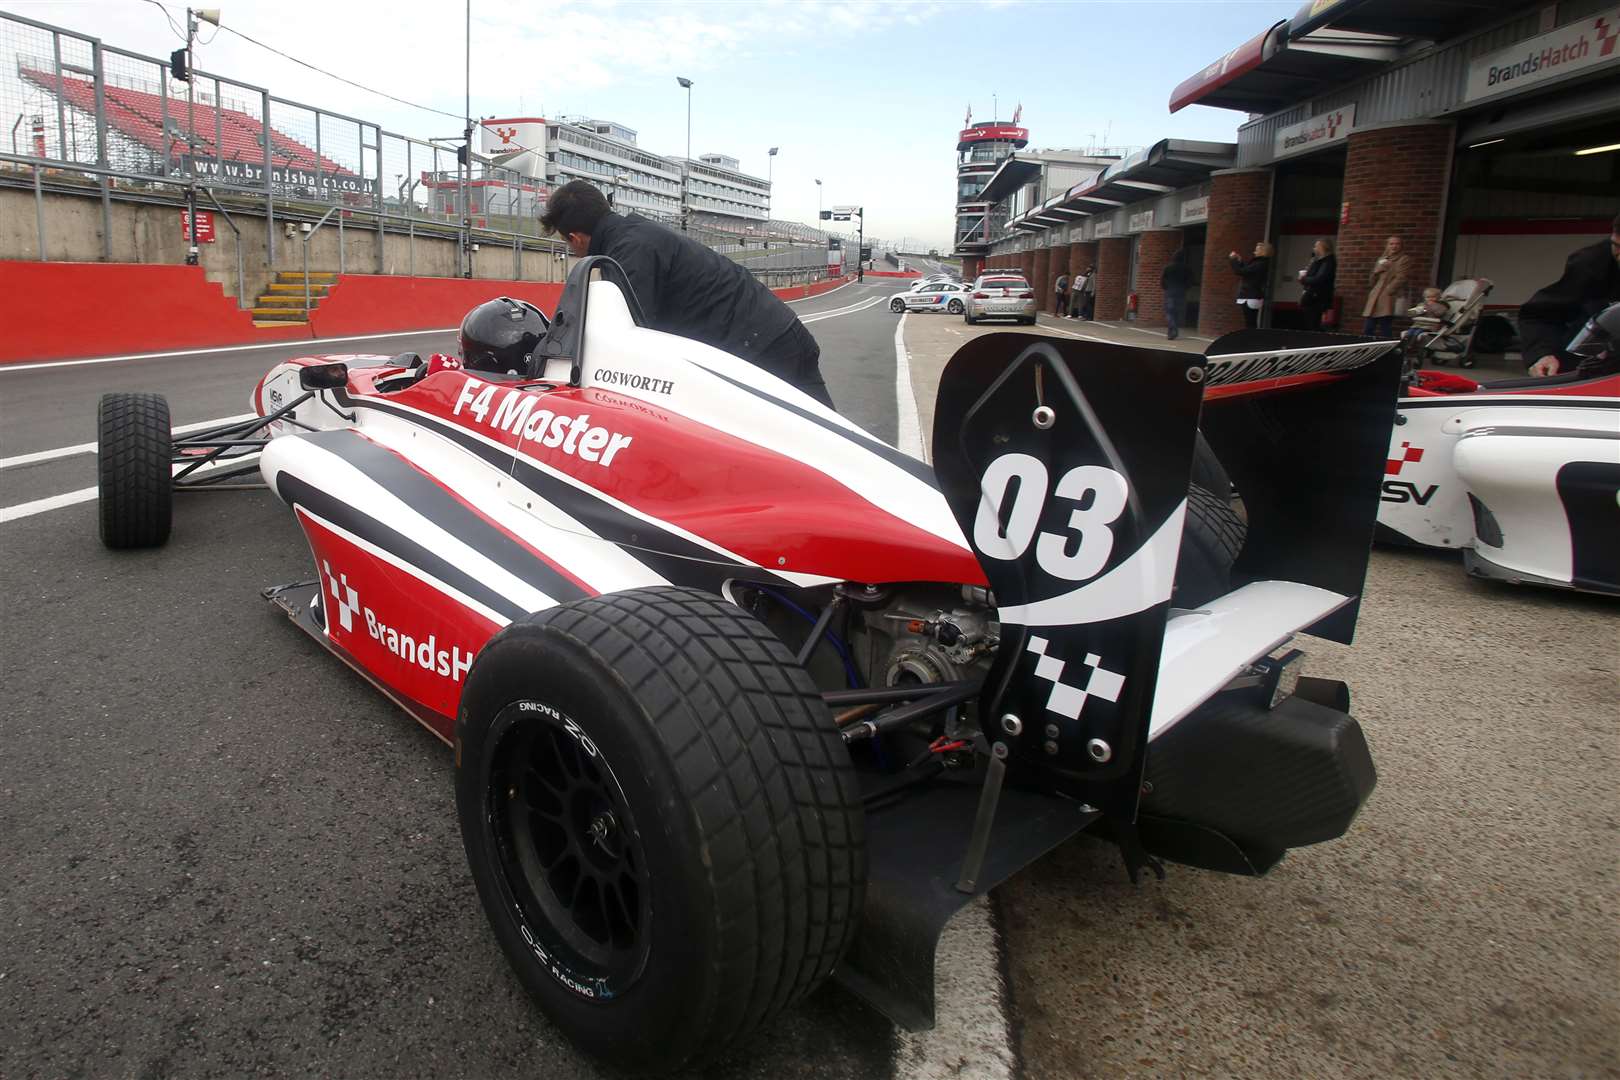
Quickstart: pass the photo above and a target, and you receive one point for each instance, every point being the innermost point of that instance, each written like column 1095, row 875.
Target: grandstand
column 148, row 133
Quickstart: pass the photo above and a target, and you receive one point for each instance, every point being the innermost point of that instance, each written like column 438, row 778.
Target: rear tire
column 970, row 320
column 135, row 488
column 954, row 307
column 663, row 738
column 1210, row 542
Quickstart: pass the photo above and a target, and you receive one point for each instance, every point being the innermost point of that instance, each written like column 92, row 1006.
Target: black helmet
column 1599, row 339
column 499, row 335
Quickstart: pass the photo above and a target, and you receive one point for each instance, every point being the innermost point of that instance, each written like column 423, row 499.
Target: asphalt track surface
column 221, row 852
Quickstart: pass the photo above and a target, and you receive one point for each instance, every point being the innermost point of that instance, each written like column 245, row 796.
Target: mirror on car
column 323, row 376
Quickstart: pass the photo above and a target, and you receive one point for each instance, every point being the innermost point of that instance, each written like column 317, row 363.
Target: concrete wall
column 143, row 233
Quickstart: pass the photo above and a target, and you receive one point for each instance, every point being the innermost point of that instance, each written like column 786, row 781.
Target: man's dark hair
column 574, row 207
column 1615, row 227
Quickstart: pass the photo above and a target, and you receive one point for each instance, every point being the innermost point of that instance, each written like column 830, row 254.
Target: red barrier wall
column 376, row 304
column 53, row 310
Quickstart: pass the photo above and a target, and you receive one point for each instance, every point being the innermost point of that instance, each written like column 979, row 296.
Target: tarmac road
column 224, row 854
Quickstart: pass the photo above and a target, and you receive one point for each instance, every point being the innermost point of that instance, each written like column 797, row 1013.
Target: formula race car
column 1520, row 475
column 743, row 698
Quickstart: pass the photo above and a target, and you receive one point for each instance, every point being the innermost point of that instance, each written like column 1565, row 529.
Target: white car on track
column 928, row 295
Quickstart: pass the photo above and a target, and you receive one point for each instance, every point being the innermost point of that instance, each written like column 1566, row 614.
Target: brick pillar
column 1082, row 254
column 1042, row 281
column 1153, row 251
column 1026, row 265
column 1059, row 267
column 1239, row 214
column 972, row 267
column 1395, row 182
column 1113, row 267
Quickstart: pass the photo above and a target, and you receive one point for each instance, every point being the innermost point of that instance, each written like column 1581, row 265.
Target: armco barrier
column 57, row 311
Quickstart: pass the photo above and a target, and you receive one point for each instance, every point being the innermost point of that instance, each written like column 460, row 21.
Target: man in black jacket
column 1556, row 313
column 688, row 289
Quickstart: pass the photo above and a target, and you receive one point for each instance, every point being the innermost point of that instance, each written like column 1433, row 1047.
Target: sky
column 868, row 97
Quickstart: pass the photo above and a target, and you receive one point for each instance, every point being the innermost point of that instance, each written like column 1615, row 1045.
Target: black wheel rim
column 569, row 854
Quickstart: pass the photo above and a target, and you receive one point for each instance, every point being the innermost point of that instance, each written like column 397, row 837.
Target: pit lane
column 224, row 854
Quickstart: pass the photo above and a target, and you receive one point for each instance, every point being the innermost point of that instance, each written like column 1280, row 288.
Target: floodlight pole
column 686, row 164
column 464, row 173
column 192, row 251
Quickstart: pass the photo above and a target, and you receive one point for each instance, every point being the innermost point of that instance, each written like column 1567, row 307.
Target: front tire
column 661, row 820
column 135, row 487
column 897, row 306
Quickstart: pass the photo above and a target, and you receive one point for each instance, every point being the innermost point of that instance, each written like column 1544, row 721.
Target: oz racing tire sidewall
column 677, row 927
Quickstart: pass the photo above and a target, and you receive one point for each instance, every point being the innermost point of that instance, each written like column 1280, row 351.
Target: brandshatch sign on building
column 1582, row 44
column 1318, row 131
column 251, row 174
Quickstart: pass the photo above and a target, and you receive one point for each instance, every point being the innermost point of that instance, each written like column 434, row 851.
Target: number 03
column 1098, row 494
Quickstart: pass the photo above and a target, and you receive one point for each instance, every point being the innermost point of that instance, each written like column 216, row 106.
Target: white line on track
column 835, row 313
column 88, row 447
column 289, row 343
column 909, row 429
column 39, row 506
column 971, row 1039
column 73, row 498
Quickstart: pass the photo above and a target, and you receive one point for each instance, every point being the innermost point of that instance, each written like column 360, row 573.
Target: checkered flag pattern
column 1068, row 700
column 348, row 600
column 1394, row 465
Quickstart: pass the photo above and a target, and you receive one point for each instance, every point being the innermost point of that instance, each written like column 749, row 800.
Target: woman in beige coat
column 1387, row 284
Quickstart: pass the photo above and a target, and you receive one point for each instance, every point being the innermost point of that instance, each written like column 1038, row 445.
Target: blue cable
column 837, row 642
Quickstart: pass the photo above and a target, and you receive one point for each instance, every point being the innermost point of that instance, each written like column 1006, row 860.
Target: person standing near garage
column 1317, row 282
column 1253, row 274
column 1061, row 286
column 1175, row 278
column 689, row 290
column 1387, row 288
column 1548, row 319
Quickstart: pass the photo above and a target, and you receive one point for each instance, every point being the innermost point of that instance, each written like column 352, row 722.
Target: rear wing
column 1301, row 421
column 1067, row 464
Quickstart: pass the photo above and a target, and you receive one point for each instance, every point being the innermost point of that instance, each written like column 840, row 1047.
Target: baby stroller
column 1438, row 340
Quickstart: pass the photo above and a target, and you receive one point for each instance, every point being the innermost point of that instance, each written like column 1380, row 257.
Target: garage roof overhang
column 1278, row 68
column 1431, row 20
column 1168, row 165
column 1013, row 174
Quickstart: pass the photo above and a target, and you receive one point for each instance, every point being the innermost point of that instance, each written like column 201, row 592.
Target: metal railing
column 94, row 120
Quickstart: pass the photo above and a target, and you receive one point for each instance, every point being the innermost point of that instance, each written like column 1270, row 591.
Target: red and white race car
column 743, row 698
column 1522, row 476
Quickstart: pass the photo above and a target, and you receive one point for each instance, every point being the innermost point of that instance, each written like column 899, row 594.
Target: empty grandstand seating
column 138, row 115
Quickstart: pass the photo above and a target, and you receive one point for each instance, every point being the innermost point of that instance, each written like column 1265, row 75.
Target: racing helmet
column 499, row 335
column 1600, row 337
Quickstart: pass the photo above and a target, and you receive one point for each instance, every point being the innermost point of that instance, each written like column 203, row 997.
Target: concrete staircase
column 283, row 302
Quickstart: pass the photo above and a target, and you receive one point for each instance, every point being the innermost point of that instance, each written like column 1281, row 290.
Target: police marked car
column 926, row 295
